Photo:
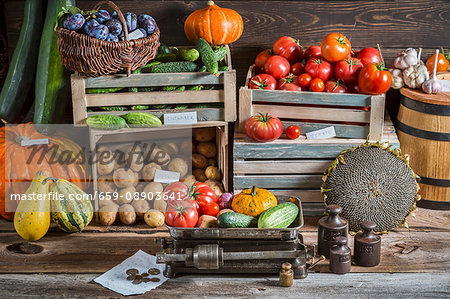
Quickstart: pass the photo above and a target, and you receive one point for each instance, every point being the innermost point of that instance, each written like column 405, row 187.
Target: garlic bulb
column 414, row 76
column 433, row 85
column 397, row 78
column 405, row 59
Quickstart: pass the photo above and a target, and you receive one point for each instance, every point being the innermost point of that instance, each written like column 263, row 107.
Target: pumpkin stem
column 49, row 179
column 19, row 139
column 210, row 3
column 253, row 192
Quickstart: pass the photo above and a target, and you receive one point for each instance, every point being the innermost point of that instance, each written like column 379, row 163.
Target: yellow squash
column 253, row 201
column 32, row 217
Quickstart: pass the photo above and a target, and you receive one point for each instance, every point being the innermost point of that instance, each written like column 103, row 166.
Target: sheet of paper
column 33, row 142
column 180, row 118
column 116, row 278
column 166, row 177
column 325, row 133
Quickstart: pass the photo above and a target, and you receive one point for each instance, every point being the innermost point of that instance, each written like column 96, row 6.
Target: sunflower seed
column 154, row 271
column 132, row 271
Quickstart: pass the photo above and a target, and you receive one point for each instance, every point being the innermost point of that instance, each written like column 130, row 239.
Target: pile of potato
column 133, row 169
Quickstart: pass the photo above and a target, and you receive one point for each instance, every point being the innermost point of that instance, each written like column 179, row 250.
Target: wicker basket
column 93, row 57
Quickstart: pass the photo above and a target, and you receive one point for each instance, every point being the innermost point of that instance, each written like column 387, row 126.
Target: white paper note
column 166, row 177
column 181, row 118
column 325, row 133
column 116, row 278
column 33, row 142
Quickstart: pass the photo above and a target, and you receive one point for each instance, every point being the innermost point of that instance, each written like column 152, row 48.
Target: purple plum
column 74, row 22
column 112, row 38
column 114, row 26
column 89, row 25
column 114, row 15
column 102, row 16
column 99, row 32
column 131, row 20
column 148, row 23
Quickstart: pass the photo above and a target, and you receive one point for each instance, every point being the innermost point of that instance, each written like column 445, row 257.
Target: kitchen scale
column 236, row 250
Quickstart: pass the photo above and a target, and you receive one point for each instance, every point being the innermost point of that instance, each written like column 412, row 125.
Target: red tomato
column 263, row 81
column 263, row 127
column 297, row 68
column 374, row 79
column 211, row 209
column 289, row 83
column 319, row 68
column 442, row 63
column 293, row 132
column 348, row 70
column 369, row 55
column 178, row 191
column 313, row 52
column 277, row 66
column 289, row 48
column 181, row 214
column 261, row 59
column 335, row 47
column 335, row 87
column 304, row 80
column 317, row 85
column 355, row 89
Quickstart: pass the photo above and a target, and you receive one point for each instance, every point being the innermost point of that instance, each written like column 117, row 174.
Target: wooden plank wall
column 394, row 24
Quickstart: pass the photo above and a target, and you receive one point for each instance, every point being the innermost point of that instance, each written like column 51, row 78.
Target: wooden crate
column 116, row 138
column 291, row 167
column 313, row 110
column 227, row 95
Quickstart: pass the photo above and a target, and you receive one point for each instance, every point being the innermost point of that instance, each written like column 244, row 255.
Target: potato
column 141, row 206
column 206, row 221
column 134, row 157
column 160, row 156
column 108, row 214
column 105, row 161
column 178, row 165
column 212, row 173
column 199, row 175
column 125, row 195
column 154, row 218
column 153, row 190
column 171, row 148
column 216, row 186
column 127, row 214
column 224, row 211
column 204, row 134
column 199, row 161
column 212, row 161
column 120, row 158
column 105, row 184
column 124, row 177
column 187, row 147
column 207, row 149
column 140, row 187
column 137, row 178
column 189, row 179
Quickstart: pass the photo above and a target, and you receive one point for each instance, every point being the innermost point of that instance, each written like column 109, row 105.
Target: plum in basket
column 74, row 22
column 147, row 22
column 114, row 27
column 102, row 16
column 131, row 20
column 99, row 32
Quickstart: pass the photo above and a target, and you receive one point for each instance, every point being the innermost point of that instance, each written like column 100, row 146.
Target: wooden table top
column 415, row 263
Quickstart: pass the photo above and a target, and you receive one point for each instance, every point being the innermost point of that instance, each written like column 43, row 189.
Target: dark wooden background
column 394, row 24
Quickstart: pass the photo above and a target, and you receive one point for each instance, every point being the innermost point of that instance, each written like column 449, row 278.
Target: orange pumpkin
column 17, row 172
column 218, row 26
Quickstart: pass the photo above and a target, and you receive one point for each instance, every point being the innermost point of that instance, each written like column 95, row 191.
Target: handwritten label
column 182, row 118
column 166, row 177
column 33, row 142
column 445, row 85
column 322, row 134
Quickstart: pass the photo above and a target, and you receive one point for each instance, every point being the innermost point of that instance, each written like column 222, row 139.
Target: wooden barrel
column 423, row 128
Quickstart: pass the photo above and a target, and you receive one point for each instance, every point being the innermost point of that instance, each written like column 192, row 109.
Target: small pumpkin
column 218, row 26
column 253, row 201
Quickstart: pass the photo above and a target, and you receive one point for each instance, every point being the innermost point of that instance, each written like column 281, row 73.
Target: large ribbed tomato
column 181, row 214
column 335, row 47
column 263, row 127
column 374, row 79
column 218, row 26
column 289, row 48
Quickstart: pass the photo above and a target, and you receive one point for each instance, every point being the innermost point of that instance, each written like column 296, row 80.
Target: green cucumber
column 202, row 69
column 236, row 220
column 195, row 87
column 188, row 54
column 142, row 119
column 140, row 107
column 135, row 89
column 148, row 67
column 18, row 88
column 220, row 53
column 163, row 49
column 180, row 107
column 113, row 108
column 106, row 122
column 280, row 216
column 102, row 90
column 147, row 89
column 224, row 68
column 207, row 55
column 174, row 88
column 166, row 57
column 175, row 67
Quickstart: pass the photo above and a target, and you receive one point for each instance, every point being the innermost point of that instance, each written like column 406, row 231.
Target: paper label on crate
column 33, row 142
column 166, row 177
column 182, row 118
column 325, row 133
column 445, row 85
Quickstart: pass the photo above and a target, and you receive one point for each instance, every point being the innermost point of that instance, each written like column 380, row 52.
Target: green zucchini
column 220, row 53
column 188, row 54
column 236, row 220
column 18, row 86
column 175, row 67
column 105, row 122
column 142, row 119
column 280, row 216
column 52, row 87
column 166, row 57
column 207, row 55
column 163, row 49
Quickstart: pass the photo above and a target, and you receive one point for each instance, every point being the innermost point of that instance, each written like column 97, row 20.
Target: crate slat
column 285, row 167
column 277, row 181
column 350, row 131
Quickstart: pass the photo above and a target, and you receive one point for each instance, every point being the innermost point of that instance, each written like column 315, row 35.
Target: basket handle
column 119, row 14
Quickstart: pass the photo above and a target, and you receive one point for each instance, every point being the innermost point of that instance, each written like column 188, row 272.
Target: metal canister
column 330, row 227
column 340, row 256
column 286, row 275
column 367, row 249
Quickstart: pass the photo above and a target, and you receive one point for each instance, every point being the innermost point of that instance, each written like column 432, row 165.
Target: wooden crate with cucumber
column 180, row 79
column 352, row 115
column 199, row 153
column 292, row 167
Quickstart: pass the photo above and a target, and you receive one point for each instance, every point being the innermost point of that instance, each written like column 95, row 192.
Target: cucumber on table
column 280, row 216
column 175, row 67
column 236, row 220
column 142, row 119
column 106, row 122
column 188, row 54
column 208, row 57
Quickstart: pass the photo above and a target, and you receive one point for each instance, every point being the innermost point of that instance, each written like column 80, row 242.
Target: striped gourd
column 280, row 216
column 71, row 209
